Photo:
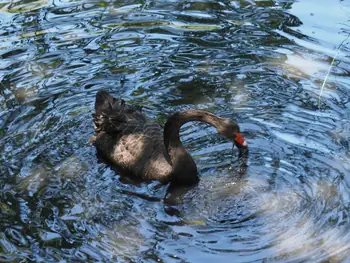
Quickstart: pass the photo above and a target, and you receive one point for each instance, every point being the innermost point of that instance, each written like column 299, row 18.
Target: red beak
column 240, row 141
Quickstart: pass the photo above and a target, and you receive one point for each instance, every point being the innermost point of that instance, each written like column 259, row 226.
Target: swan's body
column 140, row 145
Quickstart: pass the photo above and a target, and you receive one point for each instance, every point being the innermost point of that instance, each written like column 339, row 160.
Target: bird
column 130, row 140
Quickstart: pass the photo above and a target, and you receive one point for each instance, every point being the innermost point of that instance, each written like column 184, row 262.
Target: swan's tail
column 108, row 113
column 106, row 104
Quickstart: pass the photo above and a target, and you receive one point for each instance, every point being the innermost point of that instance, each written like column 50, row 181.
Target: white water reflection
column 323, row 20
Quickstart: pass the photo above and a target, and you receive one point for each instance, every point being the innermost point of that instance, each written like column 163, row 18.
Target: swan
column 129, row 139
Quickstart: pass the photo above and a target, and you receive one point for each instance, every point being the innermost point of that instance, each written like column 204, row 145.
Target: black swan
column 129, row 139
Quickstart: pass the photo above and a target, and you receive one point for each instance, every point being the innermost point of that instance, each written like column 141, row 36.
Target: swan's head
column 231, row 130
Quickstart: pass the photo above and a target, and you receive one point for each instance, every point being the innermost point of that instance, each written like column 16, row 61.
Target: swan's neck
column 182, row 163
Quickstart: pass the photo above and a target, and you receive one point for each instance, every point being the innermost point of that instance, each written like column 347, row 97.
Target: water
column 261, row 63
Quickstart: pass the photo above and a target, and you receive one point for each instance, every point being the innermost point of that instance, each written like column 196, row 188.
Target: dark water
column 261, row 63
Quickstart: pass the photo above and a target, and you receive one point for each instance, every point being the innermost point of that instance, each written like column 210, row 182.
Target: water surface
column 261, row 63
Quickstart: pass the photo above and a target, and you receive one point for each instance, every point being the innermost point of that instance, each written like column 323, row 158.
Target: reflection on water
column 259, row 62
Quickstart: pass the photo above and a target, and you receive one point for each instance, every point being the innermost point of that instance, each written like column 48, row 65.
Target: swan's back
column 129, row 139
